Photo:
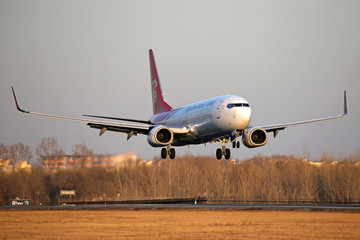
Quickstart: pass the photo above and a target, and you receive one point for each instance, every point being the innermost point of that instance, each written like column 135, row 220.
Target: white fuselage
column 207, row 120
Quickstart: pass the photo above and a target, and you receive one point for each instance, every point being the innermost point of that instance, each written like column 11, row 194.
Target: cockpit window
column 231, row 105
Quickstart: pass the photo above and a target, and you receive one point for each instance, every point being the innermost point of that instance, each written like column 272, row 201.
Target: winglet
column 345, row 104
column 16, row 102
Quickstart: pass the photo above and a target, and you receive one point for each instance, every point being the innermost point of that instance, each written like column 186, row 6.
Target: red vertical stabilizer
column 159, row 104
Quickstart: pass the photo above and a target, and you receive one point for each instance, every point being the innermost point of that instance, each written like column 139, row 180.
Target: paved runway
column 328, row 207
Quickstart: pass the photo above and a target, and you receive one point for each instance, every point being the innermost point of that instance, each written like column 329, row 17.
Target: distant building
column 19, row 202
column 5, row 165
column 66, row 162
column 67, row 195
column 146, row 163
column 8, row 167
column 76, row 162
column 23, row 165
column 316, row 164
column 125, row 160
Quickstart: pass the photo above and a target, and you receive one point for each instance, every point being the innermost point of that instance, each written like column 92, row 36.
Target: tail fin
column 159, row 104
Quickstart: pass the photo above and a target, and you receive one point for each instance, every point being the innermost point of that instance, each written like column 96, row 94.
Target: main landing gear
column 168, row 151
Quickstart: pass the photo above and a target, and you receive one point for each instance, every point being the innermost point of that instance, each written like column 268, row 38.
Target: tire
column 163, row 153
column 218, row 154
column 238, row 144
column 234, row 144
column 227, row 154
column 172, row 153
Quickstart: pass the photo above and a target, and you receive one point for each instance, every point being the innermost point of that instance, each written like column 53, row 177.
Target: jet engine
column 254, row 137
column 160, row 136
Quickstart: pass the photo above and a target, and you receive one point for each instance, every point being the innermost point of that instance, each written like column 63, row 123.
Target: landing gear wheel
column 218, row 154
column 172, row 153
column 227, row 154
column 238, row 144
column 163, row 153
column 234, row 144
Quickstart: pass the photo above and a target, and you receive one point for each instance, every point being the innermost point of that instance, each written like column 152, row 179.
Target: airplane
column 220, row 119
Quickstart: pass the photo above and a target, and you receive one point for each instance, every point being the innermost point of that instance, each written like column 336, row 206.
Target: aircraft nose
column 244, row 117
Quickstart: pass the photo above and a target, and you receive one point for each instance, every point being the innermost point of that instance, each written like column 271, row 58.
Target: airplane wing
column 132, row 129
column 275, row 128
column 119, row 119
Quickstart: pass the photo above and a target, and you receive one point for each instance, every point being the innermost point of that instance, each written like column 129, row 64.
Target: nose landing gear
column 236, row 144
column 224, row 151
column 168, row 151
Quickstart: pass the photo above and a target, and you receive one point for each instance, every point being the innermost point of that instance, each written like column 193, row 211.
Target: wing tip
column 345, row 104
column 16, row 102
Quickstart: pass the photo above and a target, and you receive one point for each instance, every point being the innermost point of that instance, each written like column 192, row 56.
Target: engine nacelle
column 255, row 137
column 160, row 136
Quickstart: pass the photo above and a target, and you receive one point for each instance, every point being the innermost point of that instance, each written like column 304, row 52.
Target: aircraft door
column 218, row 113
column 219, row 108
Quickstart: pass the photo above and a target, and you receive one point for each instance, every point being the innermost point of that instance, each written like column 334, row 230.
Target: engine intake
column 255, row 137
column 160, row 136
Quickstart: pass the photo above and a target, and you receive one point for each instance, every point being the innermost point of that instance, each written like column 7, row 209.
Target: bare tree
column 4, row 154
column 83, row 153
column 19, row 152
column 49, row 147
column 82, row 150
column 4, row 151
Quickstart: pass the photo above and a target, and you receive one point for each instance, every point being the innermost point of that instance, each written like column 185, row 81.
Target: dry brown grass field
column 178, row 224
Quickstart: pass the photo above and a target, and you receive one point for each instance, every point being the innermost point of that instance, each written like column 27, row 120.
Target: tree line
column 48, row 146
column 261, row 178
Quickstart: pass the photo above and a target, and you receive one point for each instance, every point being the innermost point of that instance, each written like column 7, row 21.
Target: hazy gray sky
column 290, row 59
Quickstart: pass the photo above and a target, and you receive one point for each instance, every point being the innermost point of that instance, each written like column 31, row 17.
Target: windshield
column 231, row 105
